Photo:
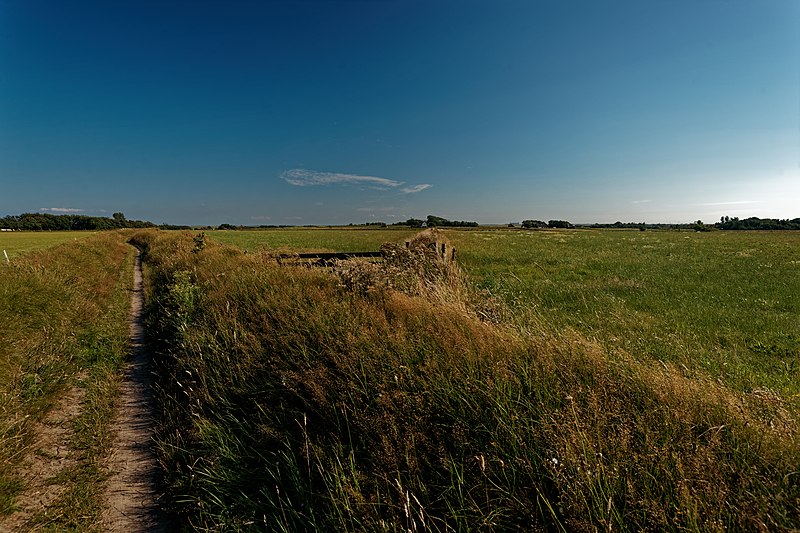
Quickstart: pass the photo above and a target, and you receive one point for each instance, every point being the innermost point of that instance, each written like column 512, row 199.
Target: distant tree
column 559, row 224
column 434, row 221
column 699, row 226
column 226, row 226
column 119, row 217
column 534, row 224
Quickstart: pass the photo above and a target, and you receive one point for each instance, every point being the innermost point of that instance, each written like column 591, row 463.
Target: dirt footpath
column 132, row 489
column 51, row 458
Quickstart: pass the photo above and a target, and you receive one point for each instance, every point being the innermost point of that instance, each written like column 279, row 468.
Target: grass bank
column 296, row 399
column 64, row 324
column 20, row 242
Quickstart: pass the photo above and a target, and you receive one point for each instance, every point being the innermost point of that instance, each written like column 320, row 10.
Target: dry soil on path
column 132, row 490
column 43, row 466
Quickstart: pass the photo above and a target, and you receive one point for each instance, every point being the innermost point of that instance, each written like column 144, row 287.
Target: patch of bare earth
column 132, row 494
column 49, row 456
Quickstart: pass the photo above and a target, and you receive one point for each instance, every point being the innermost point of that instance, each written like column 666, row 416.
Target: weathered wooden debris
column 429, row 240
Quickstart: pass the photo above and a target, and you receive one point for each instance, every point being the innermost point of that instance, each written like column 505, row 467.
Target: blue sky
column 331, row 112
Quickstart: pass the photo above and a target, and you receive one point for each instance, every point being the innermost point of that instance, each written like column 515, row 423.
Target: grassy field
column 312, row 239
column 63, row 326
column 356, row 399
column 726, row 303
column 569, row 380
column 721, row 303
column 20, row 242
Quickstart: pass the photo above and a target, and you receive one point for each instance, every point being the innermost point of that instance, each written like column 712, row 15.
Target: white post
column 5, row 254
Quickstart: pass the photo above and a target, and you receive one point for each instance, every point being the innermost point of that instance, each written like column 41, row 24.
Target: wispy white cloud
column 641, row 201
column 61, row 210
column 417, row 188
column 260, row 217
column 305, row 178
column 735, row 202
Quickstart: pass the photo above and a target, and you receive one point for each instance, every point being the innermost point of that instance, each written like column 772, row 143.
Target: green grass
column 20, row 242
column 724, row 303
column 296, row 399
column 64, row 324
column 721, row 303
column 312, row 239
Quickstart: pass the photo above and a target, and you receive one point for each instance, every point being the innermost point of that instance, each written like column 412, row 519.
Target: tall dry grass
column 296, row 399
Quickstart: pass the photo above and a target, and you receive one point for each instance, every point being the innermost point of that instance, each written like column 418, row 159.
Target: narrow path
column 132, row 494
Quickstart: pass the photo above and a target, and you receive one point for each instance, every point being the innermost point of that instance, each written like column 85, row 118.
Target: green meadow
column 723, row 303
column 357, row 239
column 726, row 303
column 20, row 242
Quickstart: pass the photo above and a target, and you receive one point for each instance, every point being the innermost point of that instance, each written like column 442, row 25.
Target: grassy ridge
column 64, row 323
column 290, row 401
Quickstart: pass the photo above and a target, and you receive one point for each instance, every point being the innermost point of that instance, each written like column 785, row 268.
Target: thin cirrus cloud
column 61, row 210
column 306, row 178
column 735, row 202
column 417, row 188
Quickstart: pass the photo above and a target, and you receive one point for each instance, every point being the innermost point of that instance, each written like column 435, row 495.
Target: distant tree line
column 534, row 224
column 752, row 223
column 725, row 223
column 48, row 222
column 548, row 224
column 433, row 221
column 411, row 222
column 175, row 227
